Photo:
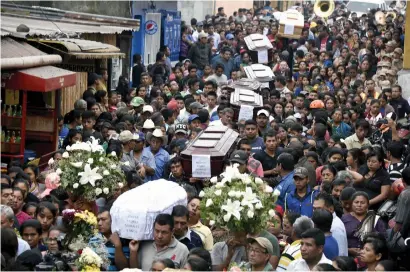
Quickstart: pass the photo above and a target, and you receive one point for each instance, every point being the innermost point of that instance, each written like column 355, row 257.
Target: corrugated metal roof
column 13, row 49
column 83, row 49
column 38, row 26
column 16, row 54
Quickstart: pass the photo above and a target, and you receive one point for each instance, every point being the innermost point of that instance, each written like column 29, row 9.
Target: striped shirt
column 395, row 170
column 291, row 253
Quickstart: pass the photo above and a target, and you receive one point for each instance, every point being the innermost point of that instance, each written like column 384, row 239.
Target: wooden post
column 406, row 57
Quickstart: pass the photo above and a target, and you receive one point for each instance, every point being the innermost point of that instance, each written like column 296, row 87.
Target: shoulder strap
column 376, row 219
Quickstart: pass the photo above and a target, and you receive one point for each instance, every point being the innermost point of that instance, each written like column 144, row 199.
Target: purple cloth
column 351, row 223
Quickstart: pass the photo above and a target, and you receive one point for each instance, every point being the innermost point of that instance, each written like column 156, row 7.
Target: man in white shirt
column 313, row 241
column 338, row 230
column 219, row 77
column 211, row 33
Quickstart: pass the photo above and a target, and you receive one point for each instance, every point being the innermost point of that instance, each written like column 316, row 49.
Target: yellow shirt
column 205, row 233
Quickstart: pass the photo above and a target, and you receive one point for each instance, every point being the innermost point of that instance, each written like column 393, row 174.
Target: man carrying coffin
column 164, row 246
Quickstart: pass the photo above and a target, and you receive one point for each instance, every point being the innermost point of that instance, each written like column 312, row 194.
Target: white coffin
column 134, row 212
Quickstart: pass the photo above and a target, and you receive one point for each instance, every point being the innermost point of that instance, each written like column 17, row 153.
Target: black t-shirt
column 268, row 162
column 373, row 185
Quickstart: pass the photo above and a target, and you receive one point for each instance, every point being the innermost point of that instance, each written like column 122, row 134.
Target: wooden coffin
column 291, row 24
column 245, row 97
column 217, row 142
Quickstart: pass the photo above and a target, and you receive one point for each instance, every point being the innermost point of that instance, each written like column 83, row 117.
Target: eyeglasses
column 256, row 250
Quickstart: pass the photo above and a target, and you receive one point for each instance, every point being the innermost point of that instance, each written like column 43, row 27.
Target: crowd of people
column 329, row 138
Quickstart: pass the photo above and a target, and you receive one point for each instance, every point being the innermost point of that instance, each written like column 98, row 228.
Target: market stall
column 30, row 93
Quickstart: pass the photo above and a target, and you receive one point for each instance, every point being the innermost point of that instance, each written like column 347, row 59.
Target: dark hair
column 99, row 95
column 9, row 248
column 70, row 135
column 358, row 155
column 34, row 168
column 47, row 205
column 250, row 122
column 324, row 267
column 201, row 253
column 269, row 133
column 389, row 265
column 165, row 219
column 406, row 175
column 168, row 263
column 316, row 234
column 133, row 178
column 378, row 155
column 378, row 242
column 31, row 223
column 396, row 149
column 292, row 217
column 338, row 182
column 28, row 205
column 326, row 198
column 323, row 219
column 192, row 81
column 314, row 155
column 180, row 211
column 362, row 123
column 3, row 176
column 360, row 193
column 330, row 168
column 88, row 115
column 287, row 161
column 335, row 150
column 198, row 264
column 347, row 193
column 320, row 130
column 345, row 263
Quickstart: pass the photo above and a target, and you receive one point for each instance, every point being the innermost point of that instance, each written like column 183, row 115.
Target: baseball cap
column 229, row 36
column 301, row 172
column 141, row 136
column 265, row 112
column 181, row 128
column 172, row 105
column 127, row 136
column 147, row 108
column 196, row 105
column 239, row 156
column 93, row 77
column 199, row 24
column 137, row 101
column 398, row 51
column 263, row 242
column 192, row 117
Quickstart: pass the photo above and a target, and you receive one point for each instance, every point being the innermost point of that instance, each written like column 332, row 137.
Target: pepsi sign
column 151, row 27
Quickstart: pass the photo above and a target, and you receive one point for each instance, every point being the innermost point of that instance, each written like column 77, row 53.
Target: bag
column 395, row 242
column 388, row 209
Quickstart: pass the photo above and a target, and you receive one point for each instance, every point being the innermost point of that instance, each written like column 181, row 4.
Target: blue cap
column 192, row 117
column 141, row 136
column 229, row 36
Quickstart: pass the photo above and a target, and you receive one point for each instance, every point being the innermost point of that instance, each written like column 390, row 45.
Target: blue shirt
column 111, row 254
column 147, row 158
column 257, row 144
column 228, row 65
column 161, row 158
column 331, row 248
column 301, row 205
column 286, row 185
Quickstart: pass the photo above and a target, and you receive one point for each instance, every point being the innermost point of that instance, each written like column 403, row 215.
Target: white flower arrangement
column 238, row 202
column 86, row 171
column 89, row 259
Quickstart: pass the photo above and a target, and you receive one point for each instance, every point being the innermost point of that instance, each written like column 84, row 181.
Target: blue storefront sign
column 172, row 34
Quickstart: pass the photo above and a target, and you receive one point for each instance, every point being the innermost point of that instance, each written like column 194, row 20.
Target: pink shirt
column 255, row 167
column 22, row 216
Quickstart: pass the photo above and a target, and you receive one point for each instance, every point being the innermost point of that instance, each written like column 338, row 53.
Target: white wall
column 195, row 9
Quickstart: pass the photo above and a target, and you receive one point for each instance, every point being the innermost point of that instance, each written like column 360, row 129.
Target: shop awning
column 82, row 49
column 39, row 79
column 18, row 54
